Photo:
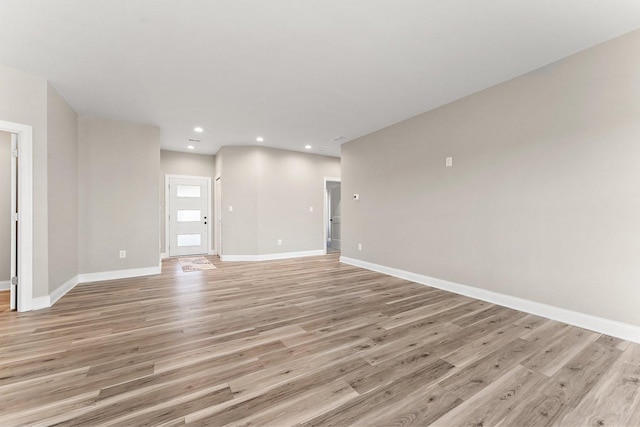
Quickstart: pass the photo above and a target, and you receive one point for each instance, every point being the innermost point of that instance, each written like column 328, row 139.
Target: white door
column 13, row 297
column 188, row 216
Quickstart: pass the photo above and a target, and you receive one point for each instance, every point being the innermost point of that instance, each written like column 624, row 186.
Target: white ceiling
column 294, row 71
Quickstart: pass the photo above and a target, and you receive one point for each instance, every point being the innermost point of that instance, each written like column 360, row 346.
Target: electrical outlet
column 123, row 253
column 279, row 242
column 448, row 162
column 359, row 246
column 230, row 208
column 310, row 208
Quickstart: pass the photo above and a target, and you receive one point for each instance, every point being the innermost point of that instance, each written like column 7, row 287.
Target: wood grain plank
column 615, row 399
column 574, row 380
column 302, row 341
column 496, row 401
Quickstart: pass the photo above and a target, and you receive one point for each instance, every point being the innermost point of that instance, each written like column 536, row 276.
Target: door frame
column 167, row 178
column 325, row 229
column 25, row 214
column 217, row 206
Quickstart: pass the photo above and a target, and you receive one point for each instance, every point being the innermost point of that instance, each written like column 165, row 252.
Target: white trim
column 325, row 214
column 268, row 257
column 63, row 289
column 168, row 177
column 163, row 256
column 49, row 300
column 118, row 274
column 13, row 270
column 5, row 285
column 213, row 252
column 25, row 216
column 39, row 303
column 582, row 320
column 217, row 214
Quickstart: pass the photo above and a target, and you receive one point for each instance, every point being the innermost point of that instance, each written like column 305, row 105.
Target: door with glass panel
column 188, row 216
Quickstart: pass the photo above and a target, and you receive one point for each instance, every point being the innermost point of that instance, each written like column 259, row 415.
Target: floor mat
column 195, row 264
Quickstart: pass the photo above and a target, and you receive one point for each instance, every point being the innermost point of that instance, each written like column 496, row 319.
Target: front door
column 188, row 216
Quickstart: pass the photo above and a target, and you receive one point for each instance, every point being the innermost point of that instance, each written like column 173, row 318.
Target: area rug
column 195, row 264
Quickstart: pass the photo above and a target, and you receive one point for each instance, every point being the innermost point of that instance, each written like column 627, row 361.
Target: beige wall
column 271, row 191
column 542, row 201
column 5, row 206
column 23, row 100
column 117, row 167
column 62, row 144
column 239, row 177
column 289, row 183
column 118, row 195
column 175, row 163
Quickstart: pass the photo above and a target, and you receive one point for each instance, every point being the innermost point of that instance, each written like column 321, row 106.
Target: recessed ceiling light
column 259, row 139
column 190, row 147
column 198, row 129
column 308, row 147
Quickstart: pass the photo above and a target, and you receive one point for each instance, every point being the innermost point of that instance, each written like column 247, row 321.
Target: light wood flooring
column 303, row 342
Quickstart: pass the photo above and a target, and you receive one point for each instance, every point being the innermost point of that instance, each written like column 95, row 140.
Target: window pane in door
column 188, row 190
column 188, row 239
column 185, row 215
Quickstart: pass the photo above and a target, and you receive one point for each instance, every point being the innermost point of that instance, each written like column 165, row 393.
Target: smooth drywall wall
column 118, row 195
column 5, row 206
column 239, row 188
column 175, row 163
column 62, row 144
column 291, row 192
column 271, row 192
column 542, row 201
column 23, row 100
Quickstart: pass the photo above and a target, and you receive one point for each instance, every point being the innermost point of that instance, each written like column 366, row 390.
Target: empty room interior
column 319, row 213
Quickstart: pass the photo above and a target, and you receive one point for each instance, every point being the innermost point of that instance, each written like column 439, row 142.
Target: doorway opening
column 218, row 218
column 188, row 206
column 332, row 229
column 16, row 202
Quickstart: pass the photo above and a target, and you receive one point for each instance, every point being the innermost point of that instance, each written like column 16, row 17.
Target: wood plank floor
column 303, row 342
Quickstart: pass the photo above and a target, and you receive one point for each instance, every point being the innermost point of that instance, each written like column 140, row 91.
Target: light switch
column 448, row 162
column 310, row 208
column 230, row 208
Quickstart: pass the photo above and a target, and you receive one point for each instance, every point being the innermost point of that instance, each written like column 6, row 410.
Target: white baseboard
column 598, row 324
column 47, row 301
column 38, row 303
column 63, row 289
column 118, row 274
column 5, row 285
column 269, row 257
column 53, row 297
column 164, row 255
